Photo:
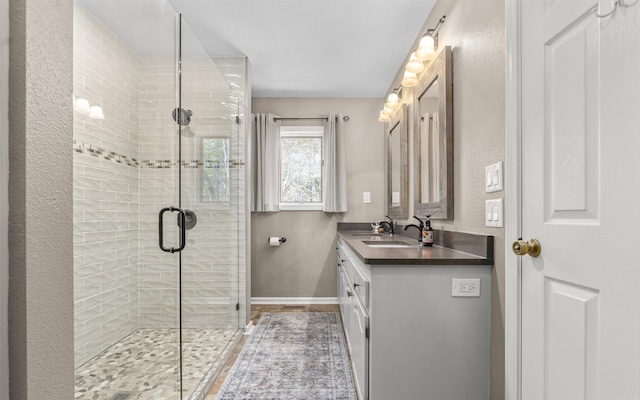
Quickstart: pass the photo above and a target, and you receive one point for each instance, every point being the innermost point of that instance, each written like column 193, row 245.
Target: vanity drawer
column 360, row 286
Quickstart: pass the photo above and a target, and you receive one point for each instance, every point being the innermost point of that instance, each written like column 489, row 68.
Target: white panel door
column 581, row 199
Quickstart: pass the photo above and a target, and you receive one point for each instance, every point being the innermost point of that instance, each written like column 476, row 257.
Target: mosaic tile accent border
column 104, row 154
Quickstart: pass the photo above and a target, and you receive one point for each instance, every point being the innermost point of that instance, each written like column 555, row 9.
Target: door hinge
column 366, row 333
column 237, row 306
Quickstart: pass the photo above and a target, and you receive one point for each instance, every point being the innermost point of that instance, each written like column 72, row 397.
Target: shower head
column 182, row 116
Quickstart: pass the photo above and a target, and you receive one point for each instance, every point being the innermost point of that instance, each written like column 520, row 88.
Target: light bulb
column 426, row 48
column 410, row 79
column 415, row 64
column 383, row 117
column 82, row 106
column 96, row 112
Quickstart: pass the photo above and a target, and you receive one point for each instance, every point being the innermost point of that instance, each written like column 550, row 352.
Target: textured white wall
column 475, row 30
column 40, row 211
column 4, row 198
column 305, row 265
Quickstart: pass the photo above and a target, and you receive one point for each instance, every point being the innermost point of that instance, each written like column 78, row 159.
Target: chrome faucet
column 418, row 227
column 390, row 223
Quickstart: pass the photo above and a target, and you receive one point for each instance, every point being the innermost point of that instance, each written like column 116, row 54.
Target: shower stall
column 160, row 213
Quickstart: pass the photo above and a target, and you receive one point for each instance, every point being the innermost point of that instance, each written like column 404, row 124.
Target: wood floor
column 256, row 313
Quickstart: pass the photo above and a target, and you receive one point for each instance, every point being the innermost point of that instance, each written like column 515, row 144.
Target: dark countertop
column 435, row 255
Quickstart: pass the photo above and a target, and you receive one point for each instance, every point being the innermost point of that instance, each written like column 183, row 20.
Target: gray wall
column 305, row 265
column 475, row 30
column 40, row 218
column 4, row 198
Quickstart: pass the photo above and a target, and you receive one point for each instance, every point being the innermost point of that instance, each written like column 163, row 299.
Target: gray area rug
column 292, row 356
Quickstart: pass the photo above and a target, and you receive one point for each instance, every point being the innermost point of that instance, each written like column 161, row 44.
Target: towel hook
column 615, row 6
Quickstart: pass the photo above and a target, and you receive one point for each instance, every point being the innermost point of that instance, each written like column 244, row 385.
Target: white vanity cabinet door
column 344, row 301
column 360, row 348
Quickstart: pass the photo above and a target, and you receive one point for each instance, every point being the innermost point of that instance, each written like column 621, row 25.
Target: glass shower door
column 208, row 125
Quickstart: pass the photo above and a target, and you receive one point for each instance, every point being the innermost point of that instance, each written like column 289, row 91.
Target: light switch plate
column 493, row 213
column 493, row 177
column 366, row 197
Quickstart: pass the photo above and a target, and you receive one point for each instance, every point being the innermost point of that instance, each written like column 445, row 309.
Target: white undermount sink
column 388, row 244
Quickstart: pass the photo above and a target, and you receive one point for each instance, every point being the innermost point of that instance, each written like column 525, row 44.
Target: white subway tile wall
column 126, row 169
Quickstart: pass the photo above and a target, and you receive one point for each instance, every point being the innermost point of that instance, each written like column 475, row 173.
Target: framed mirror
column 398, row 165
column 433, row 139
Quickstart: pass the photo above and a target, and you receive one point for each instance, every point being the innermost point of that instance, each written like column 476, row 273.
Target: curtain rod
column 345, row 118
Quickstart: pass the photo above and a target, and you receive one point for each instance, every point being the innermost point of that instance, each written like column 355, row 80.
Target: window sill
column 301, row 207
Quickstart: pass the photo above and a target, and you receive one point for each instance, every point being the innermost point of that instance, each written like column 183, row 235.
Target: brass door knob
column 532, row 247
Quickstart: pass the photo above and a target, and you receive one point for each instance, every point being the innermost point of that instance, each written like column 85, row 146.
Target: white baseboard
column 294, row 300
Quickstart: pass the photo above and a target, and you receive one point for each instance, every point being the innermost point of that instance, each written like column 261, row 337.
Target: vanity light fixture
column 393, row 101
column 383, row 117
column 428, row 44
column 415, row 64
column 388, row 110
column 425, row 52
column 410, row 79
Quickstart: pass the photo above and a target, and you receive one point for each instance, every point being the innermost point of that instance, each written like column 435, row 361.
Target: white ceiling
column 297, row 48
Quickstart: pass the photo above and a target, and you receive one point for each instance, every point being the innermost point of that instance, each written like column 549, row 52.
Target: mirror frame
column 399, row 119
column 440, row 68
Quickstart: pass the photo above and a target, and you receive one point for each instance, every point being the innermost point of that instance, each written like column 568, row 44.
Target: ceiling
column 297, row 48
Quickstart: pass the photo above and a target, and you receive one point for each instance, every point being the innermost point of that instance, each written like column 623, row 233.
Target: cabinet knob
column 349, row 293
column 355, row 285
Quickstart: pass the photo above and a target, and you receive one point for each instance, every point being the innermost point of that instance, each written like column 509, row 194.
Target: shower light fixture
column 96, row 112
column 82, row 106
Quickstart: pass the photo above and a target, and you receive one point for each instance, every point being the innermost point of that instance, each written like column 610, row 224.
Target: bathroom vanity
column 417, row 320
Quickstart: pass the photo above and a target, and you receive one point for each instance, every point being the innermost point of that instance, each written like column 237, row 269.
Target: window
column 214, row 186
column 301, row 167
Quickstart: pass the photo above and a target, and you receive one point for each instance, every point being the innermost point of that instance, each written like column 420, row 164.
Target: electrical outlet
column 465, row 287
column 366, row 197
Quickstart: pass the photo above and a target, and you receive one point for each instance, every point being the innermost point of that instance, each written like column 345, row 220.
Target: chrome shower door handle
column 183, row 235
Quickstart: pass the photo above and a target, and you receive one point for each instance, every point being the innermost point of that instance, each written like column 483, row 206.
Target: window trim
column 308, row 131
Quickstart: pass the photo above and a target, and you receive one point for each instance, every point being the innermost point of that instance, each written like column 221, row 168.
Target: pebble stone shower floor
column 145, row 365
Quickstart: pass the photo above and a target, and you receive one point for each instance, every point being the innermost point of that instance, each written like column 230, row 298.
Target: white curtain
column 334, row 181
column 430, row 144
column 425, row 128
column 265, row 153
column 435, row 167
